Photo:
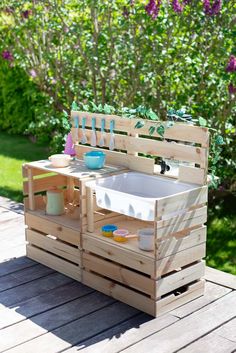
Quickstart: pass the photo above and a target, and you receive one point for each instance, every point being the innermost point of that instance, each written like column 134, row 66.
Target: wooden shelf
column 64, row 220
column 132, row 226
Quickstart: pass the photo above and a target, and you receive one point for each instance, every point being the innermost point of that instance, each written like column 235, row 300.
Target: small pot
column 60, row 160
column 146, row 239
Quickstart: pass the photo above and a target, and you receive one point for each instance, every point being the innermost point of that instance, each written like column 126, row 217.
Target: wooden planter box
column 155, row 281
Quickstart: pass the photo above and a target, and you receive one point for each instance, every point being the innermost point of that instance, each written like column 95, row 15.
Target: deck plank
column 149, row 326
column 24, row 276
column 78, row 330
column 8, row 267
column 62, row 294
column 189, row 329
column 52, row 319
column 219, row 277
column 14, row 296
column 212, row 293
column 221, row 340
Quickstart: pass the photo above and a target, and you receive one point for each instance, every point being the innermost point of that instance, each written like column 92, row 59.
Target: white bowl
column 60, row 160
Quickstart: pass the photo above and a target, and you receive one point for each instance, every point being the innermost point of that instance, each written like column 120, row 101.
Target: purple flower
column 7, row 55
column 231, row 67
column 177, row 7
column 125, row 12
column 33, row 73
column 231, row 89
column 153, row 8
column 26, row 14
column 214, row 9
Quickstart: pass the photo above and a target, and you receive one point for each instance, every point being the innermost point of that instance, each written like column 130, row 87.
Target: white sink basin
column 134, row 194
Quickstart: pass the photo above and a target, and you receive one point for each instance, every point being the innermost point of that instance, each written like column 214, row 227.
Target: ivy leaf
column 85, row 107
column 74, row 106
column 139, row 124
column 219, row 140
column 161, row 130
column 151, row 130
column 169, row 124
column 100, row 108
column 65, row 115
column 151, row 115
column 94, row 107
column 107, row 109
column 202, row 121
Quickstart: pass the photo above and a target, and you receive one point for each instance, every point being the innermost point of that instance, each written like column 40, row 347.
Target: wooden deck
column 44, row 311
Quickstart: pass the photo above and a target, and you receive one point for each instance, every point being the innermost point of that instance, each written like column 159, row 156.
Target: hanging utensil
column 112, row 135
column 102, row 138
column 83, row 138
column 93, row 136
column 76, row 123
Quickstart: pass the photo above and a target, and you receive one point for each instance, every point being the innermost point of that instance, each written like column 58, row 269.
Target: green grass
column 14, row 151
column 221, row 243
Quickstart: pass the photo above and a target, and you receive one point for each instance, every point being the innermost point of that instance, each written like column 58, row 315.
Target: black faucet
column 164, row 167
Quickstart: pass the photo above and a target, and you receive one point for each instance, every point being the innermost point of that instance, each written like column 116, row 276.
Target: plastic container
column 120, row 235
column 60, row 160
column 94, row 159
column 146, row 239
column 108, row 229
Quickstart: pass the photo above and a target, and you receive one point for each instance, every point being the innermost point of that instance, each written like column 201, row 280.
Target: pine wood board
column 174, row 244
column 181, row 132
column 131, row 144
column 182, row 201
column 54, row 262
column 45, row 183
column 63, row 227
column 54, row 246
column 118, row 254
column 118, row 273
column 192, row 175
column 180, row 278
column 180, row 259
column 76, row 169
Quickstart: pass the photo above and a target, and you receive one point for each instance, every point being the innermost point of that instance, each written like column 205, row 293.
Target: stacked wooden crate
column 155, row 281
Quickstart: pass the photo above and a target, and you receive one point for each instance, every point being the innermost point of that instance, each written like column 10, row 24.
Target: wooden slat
column 192, row 175
column 190, row 329
column 184, row 200
column 180, row 259
column 35, row 171
column 118, row 254
column 181, row 132
column 219, row 277
column 43, row 184
column 118, row 273
column 173, row 301
column 173, row 245
column 119, row 292
column 140, row 164
column 180, row 278
column 164, row 149
column 54, row 246
column 57, row 227
column 54, row 262
column 180, row 225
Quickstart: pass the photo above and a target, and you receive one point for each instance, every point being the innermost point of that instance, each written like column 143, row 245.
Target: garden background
column 156, row 54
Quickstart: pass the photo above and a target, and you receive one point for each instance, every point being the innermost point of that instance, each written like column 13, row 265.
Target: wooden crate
column 154, row 281
column 55, row 241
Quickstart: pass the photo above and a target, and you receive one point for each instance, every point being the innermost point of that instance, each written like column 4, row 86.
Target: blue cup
column 94, row 159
